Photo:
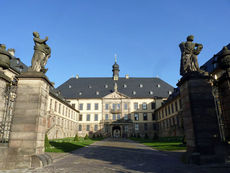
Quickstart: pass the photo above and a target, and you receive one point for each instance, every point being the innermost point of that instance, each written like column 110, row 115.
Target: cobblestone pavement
column 117, row 156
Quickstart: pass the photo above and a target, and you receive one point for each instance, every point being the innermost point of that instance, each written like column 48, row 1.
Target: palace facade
column 116, row 106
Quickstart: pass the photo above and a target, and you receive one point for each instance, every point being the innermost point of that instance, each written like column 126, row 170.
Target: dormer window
column 134, row 92
column 141, row 85
column 80, row 93
column 90, row 86
column 70, row 86
column 170, row 92
column 125, row 86
column 151, row 92
column 97, row 93
column 158, row 85
column 106, row 86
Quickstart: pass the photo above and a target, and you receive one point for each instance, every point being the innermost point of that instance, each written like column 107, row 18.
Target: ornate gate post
column 199, row 116
column 26, row 146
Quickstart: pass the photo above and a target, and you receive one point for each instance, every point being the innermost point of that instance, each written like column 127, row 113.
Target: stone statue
column 189, row 52
column 41, row 54
column 5, row 57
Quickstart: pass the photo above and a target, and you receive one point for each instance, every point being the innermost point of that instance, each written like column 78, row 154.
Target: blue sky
column 84, row 35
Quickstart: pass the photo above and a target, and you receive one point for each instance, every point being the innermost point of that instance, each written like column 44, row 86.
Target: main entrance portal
column 116, row 130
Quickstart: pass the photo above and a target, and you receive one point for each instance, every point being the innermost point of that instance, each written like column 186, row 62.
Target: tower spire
column 115, row 56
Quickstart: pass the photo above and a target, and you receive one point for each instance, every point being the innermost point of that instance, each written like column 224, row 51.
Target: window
column 80, row 128
column 114, row 106
column 126, row 128
column 106, row 116
column 153, row 105
column 172, row 108
column 118, row 116
column 154, row 126
column 87, row 127
column 114, row 116
column 55, row 106
column 176, row 106
column 80, row 117
column 136, row 116
column 136, row 127
column 88, row 106
column 153, row 116
column 144, row 106
column 125, row 106
column 81, row 106
column 135, row 105
column 63, row 110
column 95, row 127
column 145, row 126
column 88, row 117
column 96, row 117
column 73, row 105
column 106, row 106
column 59, row 108
column 96, row 106
column 126, row 117
column 180, row 104
column 145, row 117
column 169, row 109
column 118, row 106
column 51, row 103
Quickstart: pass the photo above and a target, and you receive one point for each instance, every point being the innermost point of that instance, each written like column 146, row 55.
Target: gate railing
column 5, row 124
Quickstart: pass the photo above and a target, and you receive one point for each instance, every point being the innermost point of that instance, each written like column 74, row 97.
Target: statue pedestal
column 199, row 118
column 26, row 146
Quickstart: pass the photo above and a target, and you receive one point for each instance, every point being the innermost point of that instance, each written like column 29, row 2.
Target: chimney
column 77, row 76
column 126, row 76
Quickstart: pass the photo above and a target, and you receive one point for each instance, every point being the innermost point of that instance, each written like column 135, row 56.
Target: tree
column 86, row 137
column 47, row 144
column 76, row 138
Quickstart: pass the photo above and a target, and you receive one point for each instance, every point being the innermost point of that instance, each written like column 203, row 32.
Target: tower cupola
column 115, row 69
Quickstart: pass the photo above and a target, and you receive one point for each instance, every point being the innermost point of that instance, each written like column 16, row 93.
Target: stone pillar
column 26, row 146
column 199, row 117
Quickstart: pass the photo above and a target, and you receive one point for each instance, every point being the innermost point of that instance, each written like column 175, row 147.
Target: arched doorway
column 116, row 131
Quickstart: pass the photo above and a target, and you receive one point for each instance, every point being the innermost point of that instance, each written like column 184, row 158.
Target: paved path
column 122, row 156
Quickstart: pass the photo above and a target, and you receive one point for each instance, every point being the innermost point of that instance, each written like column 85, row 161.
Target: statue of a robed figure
column 189, row 52
column 41, row 54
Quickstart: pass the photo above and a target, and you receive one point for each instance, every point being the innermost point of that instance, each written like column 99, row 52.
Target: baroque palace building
column 116, row 106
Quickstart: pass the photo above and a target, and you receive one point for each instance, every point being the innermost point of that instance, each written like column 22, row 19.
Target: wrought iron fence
column 6, row 119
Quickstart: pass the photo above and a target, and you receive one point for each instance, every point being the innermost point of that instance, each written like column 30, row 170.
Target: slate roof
column 17, row 65
column 209, row 65
column 75, row 88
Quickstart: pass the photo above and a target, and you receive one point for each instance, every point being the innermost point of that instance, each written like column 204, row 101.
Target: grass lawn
column 68, row 144
column 162, row 144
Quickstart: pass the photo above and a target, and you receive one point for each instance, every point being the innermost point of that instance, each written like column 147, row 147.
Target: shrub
column 47, row 144
column 76, row 138
column 86, row 137
column 138, row 135
column 94, row 136
column 146, row 136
